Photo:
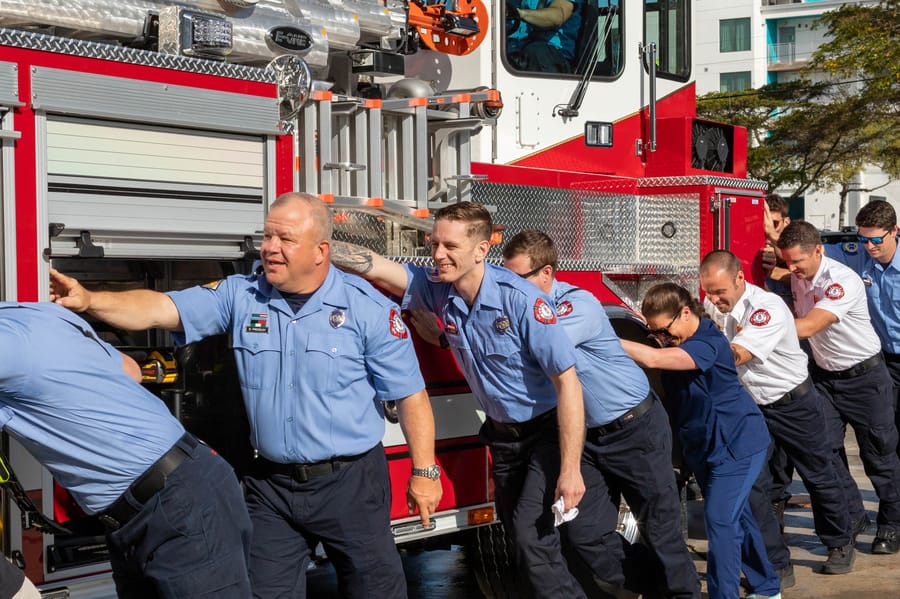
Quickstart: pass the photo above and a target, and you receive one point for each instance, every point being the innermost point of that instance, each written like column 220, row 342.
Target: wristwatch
column 433, row 472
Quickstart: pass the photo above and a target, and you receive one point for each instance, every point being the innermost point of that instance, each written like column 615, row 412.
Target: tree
column 807, row 136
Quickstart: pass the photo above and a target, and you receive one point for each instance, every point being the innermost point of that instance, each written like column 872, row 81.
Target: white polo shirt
column 761, row 323
column 839, row 290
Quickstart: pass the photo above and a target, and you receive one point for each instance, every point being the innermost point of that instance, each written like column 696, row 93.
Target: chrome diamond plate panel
column 703, row 180
column 49, row 43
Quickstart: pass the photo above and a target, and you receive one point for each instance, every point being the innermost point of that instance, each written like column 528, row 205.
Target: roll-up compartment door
column 138, row 190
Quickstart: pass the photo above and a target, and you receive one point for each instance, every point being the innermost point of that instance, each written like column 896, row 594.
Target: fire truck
column 142, row 141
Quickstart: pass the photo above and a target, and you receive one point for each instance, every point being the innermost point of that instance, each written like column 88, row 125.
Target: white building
column 744, row 44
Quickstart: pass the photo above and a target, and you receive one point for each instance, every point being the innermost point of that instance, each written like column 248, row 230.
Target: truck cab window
column 667, row 23
column 560, row 37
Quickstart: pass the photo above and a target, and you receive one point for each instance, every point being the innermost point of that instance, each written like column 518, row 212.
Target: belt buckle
column 109, row 521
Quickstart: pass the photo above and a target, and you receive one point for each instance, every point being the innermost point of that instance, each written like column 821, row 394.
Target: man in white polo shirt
column 773, row 368
column 849, row 370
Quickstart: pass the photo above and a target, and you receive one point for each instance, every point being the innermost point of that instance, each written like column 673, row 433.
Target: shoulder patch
column 432, row 273
column 564, row 308
column 543, row 312
column 760, row 318
column 834, row 291
column 398, row 329
column 213, row 284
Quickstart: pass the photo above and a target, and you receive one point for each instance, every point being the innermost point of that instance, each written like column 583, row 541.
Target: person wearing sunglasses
column 877, row 223
column 848, row 369
column 723, row 435
column 773, row 368
column 628, row 445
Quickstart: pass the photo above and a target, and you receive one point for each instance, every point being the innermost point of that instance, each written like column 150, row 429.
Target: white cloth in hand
column 559, row 516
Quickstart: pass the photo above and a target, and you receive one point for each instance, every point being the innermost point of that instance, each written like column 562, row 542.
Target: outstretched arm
column 133, row 310
column 666, row 358
column 417, row 424
column 373, row 267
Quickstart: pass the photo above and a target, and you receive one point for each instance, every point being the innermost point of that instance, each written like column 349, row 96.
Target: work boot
column 786, row 575
column 840, row 560
column 886, row 542
column 861, row 526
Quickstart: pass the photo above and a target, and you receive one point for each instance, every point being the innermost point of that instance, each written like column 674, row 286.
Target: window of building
column 734, row 82
column 734, row 35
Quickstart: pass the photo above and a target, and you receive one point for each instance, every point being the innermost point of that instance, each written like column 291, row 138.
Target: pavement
column 873, row 576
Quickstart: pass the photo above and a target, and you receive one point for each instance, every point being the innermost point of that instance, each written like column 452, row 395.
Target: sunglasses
column 876, row 240
column 531, row 273
column 663, row 336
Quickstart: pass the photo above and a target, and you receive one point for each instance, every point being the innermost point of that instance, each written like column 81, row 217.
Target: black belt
column 147, row 484
column 795, row 393
column 856, row 370
column 306, row 472
column 513, row 431
column 620, row 422
column 891, row 358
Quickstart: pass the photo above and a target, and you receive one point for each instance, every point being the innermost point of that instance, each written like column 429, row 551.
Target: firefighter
column 723, row 435
column 521, row 368
column 317, row 352
column 773, row 369
column 176, row 524
column 541, row 34
column 849, row 369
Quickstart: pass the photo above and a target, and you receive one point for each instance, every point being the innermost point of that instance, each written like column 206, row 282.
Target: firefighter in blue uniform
column 849, row 367
column 176, row 521
column 519, row 364
column 628, row 446
column 723, row 435
column 318, row 351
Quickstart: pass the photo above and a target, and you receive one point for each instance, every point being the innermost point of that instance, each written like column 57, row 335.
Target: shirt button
column 291, row 386
column 291, row 419
column 333, row 350
column 292, row 352
column 293, row 322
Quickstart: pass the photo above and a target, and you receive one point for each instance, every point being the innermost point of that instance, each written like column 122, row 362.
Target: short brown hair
column 475, row 215
column 800, row 233
column 877, row 213
column 777, row 204
column 721, row 260
column 535, row 244
column 668, row 299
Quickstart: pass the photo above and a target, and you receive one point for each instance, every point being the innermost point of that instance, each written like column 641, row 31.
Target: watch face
column 433, row 472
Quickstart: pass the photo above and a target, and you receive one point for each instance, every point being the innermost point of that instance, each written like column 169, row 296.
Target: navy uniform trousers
column 866, row 402
column 347, row 510
column 893, row 366
column 796, row 426
column 191, row 539
column 635, row 462
column 525, row 468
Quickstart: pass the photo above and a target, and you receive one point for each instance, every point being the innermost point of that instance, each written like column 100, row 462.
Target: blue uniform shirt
column 313, row 382
column 561, row 38
column 882, row 283
column 506, row 344
column 717, row 418
column 66, row 399
column 612, row 382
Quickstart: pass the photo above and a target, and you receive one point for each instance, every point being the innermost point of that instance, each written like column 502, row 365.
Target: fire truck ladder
column 401, row 157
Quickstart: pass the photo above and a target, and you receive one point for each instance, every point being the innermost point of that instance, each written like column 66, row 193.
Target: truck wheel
column 491, row 557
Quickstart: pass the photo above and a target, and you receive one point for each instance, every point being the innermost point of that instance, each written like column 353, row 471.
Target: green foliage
column 806, row 136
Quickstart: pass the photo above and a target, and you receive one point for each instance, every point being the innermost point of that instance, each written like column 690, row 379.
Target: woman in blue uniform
column 723, row 435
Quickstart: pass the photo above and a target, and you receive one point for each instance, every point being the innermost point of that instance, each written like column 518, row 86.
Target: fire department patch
column 834, row 291
column 543, row 312
column 213, row 284
column 760, row 318
column 564, row 308
column 450, row 328
column 850, row 247
column 259, row 323
column 501, row 325
column 398, row 329
column 432, row 273
column 336, row 318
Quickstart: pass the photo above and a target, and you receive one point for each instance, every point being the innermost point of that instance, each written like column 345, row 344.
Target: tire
column 491, row 557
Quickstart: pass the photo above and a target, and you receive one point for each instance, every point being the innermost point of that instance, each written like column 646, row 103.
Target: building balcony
column 788, row 56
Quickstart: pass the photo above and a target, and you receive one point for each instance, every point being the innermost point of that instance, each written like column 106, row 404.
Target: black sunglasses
column 876, row 240
column 663, row 336
column 531, row 273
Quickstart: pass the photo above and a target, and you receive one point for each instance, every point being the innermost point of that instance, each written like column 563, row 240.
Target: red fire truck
column 142, row 141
